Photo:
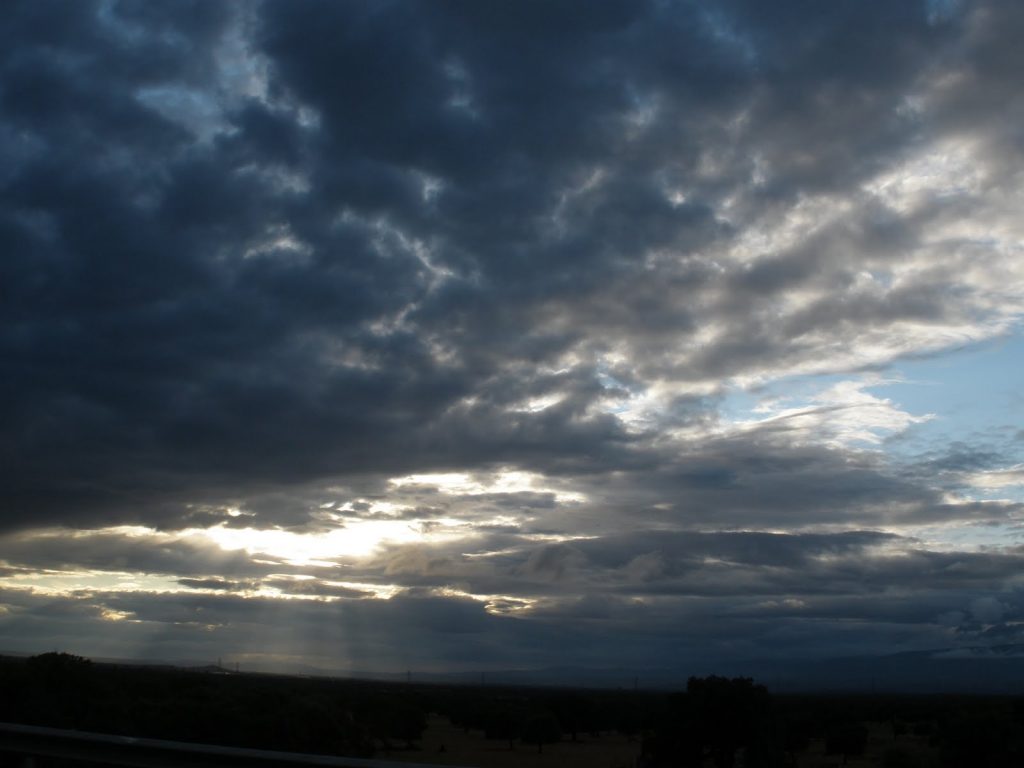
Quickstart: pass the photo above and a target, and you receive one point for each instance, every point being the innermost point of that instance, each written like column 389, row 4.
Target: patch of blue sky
column 805, row 391
column 977, row 397
column 976, row 394
column 610, row 382
column 968, row 537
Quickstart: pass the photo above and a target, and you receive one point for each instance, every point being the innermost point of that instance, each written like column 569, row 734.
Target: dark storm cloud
column 260, row 258
column 314, row 588
column 217, row 584
column 429, row 204
column 459, row 634
column 106, row 551
column 359, row 633
column 865, row 565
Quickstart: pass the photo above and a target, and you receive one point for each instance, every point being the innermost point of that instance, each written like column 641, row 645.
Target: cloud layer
column 465, row 318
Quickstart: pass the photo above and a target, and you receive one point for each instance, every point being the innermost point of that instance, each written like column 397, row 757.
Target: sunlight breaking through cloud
column 360, row 335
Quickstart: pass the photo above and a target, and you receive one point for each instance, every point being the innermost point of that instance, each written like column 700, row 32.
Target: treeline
column 716, row 721
column 534, row 716
column 727, row 722
column 258, row 711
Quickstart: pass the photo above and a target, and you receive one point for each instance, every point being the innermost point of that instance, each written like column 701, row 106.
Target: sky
column 451, row 336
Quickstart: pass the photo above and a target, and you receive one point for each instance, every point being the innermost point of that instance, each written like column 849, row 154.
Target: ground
column 613, row 750
column 607, row 750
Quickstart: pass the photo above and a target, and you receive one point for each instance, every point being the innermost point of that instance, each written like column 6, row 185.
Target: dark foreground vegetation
column 716, row 722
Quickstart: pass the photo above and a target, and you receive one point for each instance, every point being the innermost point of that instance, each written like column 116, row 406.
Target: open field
column 469, row 747
column 501, row 727
column 613, row 750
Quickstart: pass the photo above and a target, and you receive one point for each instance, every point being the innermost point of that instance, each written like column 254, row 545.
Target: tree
column 796, row 738
column 716, row 717
column 502, row 720
column 540, row 729
column 846, row 739
column 898, row 757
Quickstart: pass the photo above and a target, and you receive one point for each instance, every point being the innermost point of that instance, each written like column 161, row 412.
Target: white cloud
column 844, row 415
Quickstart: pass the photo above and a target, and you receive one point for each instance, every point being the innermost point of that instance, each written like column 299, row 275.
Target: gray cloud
column 262, row 259
column 118, row 552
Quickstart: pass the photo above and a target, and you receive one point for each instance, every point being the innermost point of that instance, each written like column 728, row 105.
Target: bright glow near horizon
column 465, row 484
column 359, row 538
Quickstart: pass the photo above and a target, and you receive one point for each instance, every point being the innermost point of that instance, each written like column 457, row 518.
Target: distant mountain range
column 965, row 670
column 992, row 669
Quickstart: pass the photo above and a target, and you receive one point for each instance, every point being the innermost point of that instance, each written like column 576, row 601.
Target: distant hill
column 992, row 669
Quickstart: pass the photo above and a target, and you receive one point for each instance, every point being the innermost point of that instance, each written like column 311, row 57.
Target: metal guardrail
column 30, row 741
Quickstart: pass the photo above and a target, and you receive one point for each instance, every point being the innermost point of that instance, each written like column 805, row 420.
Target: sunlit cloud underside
column 469, row 337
